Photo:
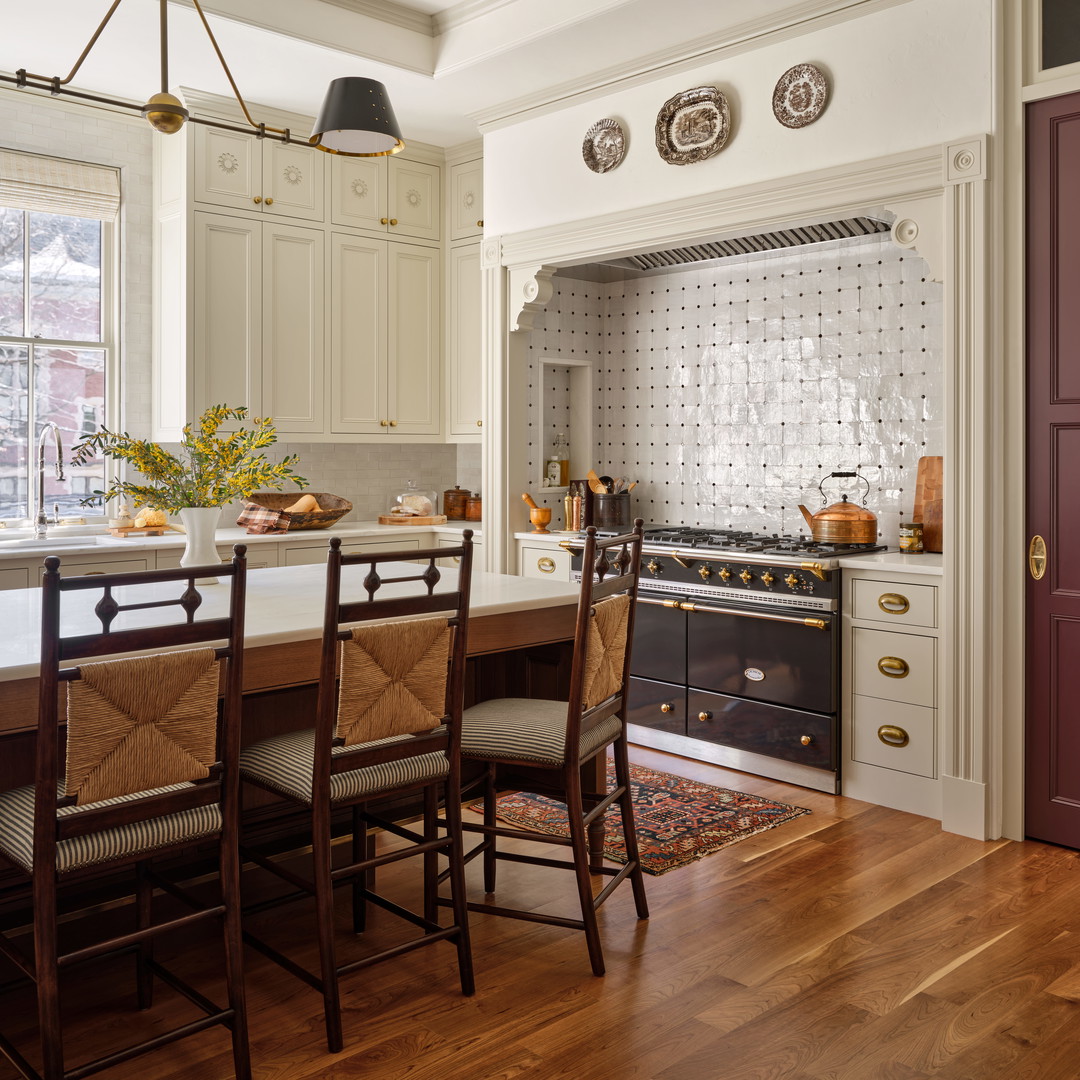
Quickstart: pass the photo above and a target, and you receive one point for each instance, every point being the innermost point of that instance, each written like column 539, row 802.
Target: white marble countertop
column 284, row 603
column 928, row 563
column 82, row 540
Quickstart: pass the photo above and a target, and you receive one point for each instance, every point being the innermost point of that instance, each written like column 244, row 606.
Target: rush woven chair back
column 387, row 727
column 148, row 768
column 542, row 746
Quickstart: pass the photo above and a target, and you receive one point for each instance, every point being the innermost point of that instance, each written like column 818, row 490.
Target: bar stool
column 149, row 770
column 387, row 724
column 540, row 746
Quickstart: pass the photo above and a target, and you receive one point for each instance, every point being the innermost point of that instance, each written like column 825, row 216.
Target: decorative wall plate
column 800, row 96
column 604, row 146
column 692, row 126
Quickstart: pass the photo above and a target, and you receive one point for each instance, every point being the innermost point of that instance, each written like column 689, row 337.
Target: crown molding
column 394, row 14
column 804, row 18
column 463, row 13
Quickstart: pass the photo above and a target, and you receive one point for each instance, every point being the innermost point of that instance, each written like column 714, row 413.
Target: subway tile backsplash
column 729, row 391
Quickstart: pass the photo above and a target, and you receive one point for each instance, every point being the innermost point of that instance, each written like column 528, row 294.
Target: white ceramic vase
column 200, row 523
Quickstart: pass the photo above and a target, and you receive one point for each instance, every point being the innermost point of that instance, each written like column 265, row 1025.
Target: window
column 56, row 332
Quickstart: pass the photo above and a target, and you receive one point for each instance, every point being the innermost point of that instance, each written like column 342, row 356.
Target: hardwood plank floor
column 854, row 943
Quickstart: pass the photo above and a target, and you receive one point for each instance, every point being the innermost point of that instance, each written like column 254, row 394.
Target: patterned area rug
column 678, row 820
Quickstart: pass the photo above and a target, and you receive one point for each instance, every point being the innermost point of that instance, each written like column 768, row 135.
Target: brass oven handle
column 893, row 603
column 891, row 735
column 893, row 667
column 545, row 565
column 689, row 605
column 1037, row 557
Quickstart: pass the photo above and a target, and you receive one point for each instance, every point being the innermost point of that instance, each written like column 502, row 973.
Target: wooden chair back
column 379, row 679
column 141, row 723
column 604, row 631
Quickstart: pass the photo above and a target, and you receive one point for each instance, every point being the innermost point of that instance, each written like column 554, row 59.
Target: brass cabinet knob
column 479, row 423
column 545, row 565
column 384, row 423
column 891, row 735
column 704, row 573
column 666, row 707
column 703, row 716
column 893, row 603
column 269, row 200
column 746, row 577
column 893, row 667
column 807, row 740
column 791, row 581
column 393, row 423
column 384, row 221
column 393, row 221
column 767, row 578
column 725, row 573
column 480, row 223
column 257, row 199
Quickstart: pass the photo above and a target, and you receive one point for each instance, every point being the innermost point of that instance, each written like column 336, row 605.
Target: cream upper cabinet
column 243, row 172
column 466, row 200
column 392, row 197
column 464, row 368
column 385, row 331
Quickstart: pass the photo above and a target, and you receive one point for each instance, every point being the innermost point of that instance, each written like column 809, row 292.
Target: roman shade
column 56, row 186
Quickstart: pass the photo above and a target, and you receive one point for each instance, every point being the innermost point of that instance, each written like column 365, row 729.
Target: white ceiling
column 445, row 66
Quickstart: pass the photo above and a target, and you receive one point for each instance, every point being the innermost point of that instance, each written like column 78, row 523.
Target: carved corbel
column 530, row 290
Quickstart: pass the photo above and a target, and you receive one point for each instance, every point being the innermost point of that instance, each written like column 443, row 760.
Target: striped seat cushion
column 124, row 841
column 526, row 729
column 284, row 763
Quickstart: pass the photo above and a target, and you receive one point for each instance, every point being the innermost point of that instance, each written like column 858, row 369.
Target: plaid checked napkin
column 261, row 519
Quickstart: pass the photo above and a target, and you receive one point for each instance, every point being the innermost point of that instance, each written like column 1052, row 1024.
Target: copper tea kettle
column 843, row 522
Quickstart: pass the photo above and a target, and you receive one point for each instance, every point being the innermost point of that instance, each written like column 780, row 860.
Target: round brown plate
column 692, row 126
column 604, row 146
column 800, row 96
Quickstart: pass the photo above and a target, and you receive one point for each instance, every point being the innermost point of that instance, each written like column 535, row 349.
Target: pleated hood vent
column 746, row 245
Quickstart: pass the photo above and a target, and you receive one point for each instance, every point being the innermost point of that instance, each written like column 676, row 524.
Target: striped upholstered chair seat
column 524, row 729
column 133, row 840
column 284, row 764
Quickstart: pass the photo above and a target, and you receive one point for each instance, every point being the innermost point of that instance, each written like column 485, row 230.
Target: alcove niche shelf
column 565, row 404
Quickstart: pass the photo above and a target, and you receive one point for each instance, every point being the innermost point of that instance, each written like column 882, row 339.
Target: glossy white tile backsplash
column 728, row 392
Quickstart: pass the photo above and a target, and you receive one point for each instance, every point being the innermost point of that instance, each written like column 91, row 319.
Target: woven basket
column 331, row 508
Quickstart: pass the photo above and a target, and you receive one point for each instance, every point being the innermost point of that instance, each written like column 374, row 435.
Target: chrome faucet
column 41, row 521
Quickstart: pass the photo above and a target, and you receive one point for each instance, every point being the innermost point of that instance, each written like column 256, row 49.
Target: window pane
column 11, row 273
column 14, row 368
column 1060, row 33
column 65, row 277
column 69, row 389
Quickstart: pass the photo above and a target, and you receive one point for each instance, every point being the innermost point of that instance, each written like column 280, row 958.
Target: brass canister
column 454, row 500
column 473, row 508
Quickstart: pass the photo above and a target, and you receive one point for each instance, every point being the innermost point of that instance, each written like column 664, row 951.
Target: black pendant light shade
column 357, row 119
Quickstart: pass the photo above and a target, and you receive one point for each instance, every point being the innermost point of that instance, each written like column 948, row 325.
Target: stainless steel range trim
column 743, row 613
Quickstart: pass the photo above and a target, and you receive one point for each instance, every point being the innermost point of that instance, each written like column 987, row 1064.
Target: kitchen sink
column 31, row 543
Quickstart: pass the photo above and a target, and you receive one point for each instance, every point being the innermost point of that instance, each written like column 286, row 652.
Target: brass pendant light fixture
column 356, row 119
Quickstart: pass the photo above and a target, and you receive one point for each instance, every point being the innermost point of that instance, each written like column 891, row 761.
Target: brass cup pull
column 545, row 565
column 891, row 735
column 893, row 603
column 807, row 740
column 1037, row 557
column 269, row 200
column 257, row 199
column 703, row 716
column 893, row 667
column 666, row 707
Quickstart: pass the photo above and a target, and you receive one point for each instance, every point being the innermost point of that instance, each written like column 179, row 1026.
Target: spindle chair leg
column 460, row 905
column 490, row 796
column 431, row 858
column 361, row 850
column 234, row 949
column 626, row 810
column 575, row 812
column 324, row 916
column 47, row 968
column 144, row 897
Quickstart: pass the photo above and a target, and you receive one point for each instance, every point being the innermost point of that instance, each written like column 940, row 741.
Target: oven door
column 760, row 653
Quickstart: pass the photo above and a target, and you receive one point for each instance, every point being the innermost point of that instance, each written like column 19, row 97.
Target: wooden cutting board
column 928, row 488
column 404, row 519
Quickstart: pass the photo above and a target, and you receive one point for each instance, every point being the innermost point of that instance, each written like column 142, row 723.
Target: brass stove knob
column 746, row 577
column 653, row 566
column 725, row 573
column 767, row 578
column 791, row 581
column 704, row 572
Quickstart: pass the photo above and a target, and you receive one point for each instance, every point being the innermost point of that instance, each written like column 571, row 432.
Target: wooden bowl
column 331, row 508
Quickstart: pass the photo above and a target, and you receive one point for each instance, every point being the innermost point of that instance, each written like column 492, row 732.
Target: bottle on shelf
column 557, row 472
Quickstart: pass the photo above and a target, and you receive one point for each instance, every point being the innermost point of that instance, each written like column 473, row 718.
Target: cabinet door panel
column 227, row 337
column 414, row 329
column 413, row 198
column 466, row 200
column 293, row 181
column 228, row 168
column 293, row 319
column 358, row 334
column 464, row 367
column 358, row 193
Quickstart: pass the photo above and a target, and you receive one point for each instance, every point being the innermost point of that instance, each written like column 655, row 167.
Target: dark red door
column 1052, row 785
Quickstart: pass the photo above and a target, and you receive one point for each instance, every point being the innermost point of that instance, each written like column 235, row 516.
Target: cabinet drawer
column 545, row 561
column 888, row 601
column 893, row 735
column 104, row 566
column 657, row 705
column 259, row 556
column 895, row 667
column 15, row 577
column 316, row 553
column 445, row 541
